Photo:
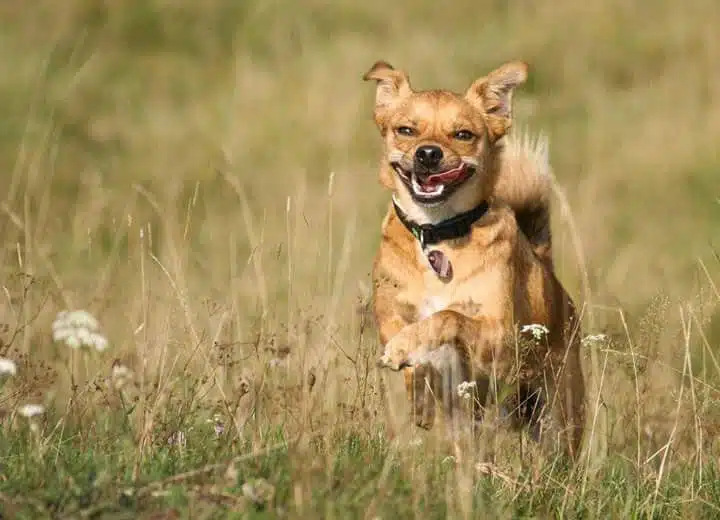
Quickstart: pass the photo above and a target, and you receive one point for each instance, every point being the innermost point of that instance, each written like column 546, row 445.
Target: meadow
column 202, row 179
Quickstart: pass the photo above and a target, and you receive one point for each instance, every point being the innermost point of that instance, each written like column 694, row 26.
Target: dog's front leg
column 472, row 340
column 438, row 353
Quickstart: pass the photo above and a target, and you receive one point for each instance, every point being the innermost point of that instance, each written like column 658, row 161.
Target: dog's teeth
column 431, row 191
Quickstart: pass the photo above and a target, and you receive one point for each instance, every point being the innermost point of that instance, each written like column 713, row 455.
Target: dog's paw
column 397, row 354
column 394, row 361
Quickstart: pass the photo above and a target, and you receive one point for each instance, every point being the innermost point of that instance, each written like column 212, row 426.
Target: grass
column 203, row 181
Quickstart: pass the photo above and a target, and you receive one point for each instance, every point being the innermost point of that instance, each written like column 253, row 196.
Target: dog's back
column 524, row 183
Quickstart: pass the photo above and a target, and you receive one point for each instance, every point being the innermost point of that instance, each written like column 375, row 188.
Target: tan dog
column 465, row 256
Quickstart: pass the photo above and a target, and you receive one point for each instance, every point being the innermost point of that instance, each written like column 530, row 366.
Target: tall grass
column 202, row 179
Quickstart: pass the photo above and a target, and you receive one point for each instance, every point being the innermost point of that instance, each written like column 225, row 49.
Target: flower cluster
column 538, row 331
column 178, row 439
column 7, row 367
column 121, row 375
column 465, row 389
column 218, row 424
column 78, row 329
column 31, row 410
column 594, row 338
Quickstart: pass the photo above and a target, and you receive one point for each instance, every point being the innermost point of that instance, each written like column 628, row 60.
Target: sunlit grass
column 203, row 181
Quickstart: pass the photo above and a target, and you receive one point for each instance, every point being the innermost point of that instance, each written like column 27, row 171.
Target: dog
column 464, row 287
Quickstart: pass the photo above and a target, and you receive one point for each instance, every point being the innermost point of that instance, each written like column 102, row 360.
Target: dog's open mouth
column 435, row 187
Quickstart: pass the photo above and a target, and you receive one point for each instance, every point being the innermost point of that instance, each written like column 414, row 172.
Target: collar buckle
column 452, row 228
column 425, row 234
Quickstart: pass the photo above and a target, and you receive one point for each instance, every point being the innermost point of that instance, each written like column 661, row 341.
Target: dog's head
column 436, row 140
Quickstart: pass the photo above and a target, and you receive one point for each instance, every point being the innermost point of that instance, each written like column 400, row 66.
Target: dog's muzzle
column 429, row 188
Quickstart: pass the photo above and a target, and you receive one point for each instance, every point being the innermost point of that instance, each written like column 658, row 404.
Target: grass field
column 203, row 180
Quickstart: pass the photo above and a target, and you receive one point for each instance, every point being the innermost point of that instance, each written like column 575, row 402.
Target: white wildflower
column 73, row 341
column 77, row 319
column 98, row 341
column 120, row 370
column 218, row 424
column 7, row 367
column 276, row 362
column 78, row 329
column 594, row 338
column 178, row 439
column 120, row 375
column 259, row 490
column 465, row 389
column 61, row 334
column 84, row 336
column 31, row 410
column 537, row 330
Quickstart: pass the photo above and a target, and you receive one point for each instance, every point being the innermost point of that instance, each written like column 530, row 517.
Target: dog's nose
column 429, row 156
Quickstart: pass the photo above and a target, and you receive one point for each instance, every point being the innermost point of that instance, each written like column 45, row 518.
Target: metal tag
column 440, row 264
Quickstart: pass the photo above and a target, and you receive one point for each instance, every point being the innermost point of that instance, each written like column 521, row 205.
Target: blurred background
column 208, row 171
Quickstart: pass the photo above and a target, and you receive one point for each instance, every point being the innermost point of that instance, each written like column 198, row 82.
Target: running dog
column 464, row 288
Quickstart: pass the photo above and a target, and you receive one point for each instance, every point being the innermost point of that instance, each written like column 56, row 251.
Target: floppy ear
column 493, row 94
column 392, row 85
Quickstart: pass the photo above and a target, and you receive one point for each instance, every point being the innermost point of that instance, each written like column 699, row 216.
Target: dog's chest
column 430, row 305
column 435, row 293
column 469, row 290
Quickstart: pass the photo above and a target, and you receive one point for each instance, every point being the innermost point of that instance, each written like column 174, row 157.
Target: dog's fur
column 442, row 332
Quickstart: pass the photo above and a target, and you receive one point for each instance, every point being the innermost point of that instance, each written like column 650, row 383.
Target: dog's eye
column 464, row 135
column 405, row 130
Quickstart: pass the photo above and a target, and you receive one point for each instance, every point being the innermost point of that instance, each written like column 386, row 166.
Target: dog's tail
column 525, row 184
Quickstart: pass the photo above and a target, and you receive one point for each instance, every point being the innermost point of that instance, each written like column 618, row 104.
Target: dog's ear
column 493, row 95
column 391, row 85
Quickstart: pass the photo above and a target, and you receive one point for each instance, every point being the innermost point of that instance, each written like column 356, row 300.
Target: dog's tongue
column 444, row 177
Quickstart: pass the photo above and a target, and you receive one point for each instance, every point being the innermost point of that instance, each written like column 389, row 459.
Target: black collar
column 454, row 227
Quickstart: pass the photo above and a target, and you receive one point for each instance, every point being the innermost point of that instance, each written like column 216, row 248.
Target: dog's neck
column 456, row 227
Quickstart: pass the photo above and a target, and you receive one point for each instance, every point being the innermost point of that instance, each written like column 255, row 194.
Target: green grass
column 167, row 166
column 347, row 475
